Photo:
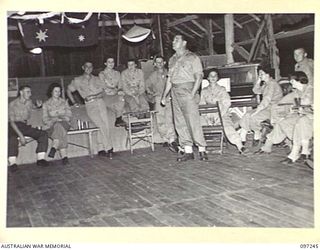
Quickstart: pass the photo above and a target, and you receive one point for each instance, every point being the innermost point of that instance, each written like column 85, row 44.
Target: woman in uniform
column 56, row 118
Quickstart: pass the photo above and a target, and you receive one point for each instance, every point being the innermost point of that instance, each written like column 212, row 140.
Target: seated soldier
column 56, row 118
column 19, row 113
column 284, row 127
column 271, row 93
column 210, row 95
column 302, row 135
column 155, row 85
column 113, row 97
column 133, row 85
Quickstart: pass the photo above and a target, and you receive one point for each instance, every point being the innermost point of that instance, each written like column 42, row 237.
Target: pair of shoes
column 119, row 122
column 287, row 161
column 65, row 161
column 303, row 158
column 52, row 152
column 42, row 163
column 186, row 157
column 243, row 151
column 260, row 151
column 165, row 144
column 255, row 143
column 203, row 156
column 173, row 146
column 13, row 168
column 102, row 153
column 110, row 153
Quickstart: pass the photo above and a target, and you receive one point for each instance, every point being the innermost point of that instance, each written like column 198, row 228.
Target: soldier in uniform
column 303, row 63
column 155, row 85
column 91, row 89
column 133, row 85
column 271, row 93
column 113, row 97
column 285, row 127
column 19, row 114
column 56, row 118
column 184, row 79
column 215, row 93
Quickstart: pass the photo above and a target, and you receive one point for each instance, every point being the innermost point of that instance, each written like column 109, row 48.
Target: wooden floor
column 153, row 189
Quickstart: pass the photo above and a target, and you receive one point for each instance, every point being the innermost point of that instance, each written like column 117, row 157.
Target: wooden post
column 160, row 36
column 229, row 36
column 210, row 37
column 273, row 50
column 119, row 47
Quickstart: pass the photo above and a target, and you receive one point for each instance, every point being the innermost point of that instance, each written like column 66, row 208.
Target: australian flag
column 55, row 33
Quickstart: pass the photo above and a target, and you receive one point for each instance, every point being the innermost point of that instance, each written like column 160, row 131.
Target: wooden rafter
column 285, row 34
column 182, row 20
column 255, row 17
column 216, row 24
column 199, row 25
column 256, row 41
column 242, row 51
column 191, row 30
column 182, row 32
column 237, row 24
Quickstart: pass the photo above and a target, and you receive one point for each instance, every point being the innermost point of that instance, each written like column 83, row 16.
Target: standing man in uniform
column 155, row 85
column 133, row 85
column 184, row 78
column 19, row 113
column 303, row 64
column 90, row 88
column 113, row 97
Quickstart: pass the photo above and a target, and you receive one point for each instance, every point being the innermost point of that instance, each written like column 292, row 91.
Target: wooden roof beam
column 199, row 25
column 216, row 25
column 191, row 30
column 182, row 20
column 285, row 34
column 237, row 24
column 183, row 32
column 255, row 17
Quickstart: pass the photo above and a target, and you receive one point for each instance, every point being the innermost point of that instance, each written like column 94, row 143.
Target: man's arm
column 71, row 89
column 18, row 132
column 197, row 83
column 166, row 91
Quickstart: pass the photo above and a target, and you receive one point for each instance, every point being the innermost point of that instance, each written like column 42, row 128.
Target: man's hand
column 38, row 103
column 23, row 141
column 163, row 102
column 120, row 92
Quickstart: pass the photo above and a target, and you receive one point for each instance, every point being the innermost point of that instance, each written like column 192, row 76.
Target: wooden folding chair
column 140, row 129
column 209, row 131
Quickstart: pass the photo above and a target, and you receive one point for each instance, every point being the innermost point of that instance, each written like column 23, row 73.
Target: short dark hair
column 212, row 70
column 299, row 76
column 301, row 48
column 51, row 87
column 267, row 69
column 22, row 87
column 108, row 57
column 158, row 56
column 132, row 60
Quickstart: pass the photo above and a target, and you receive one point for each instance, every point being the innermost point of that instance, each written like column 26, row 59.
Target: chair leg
column 221, row 143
